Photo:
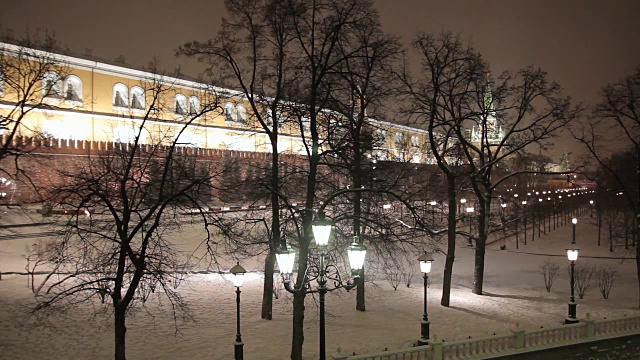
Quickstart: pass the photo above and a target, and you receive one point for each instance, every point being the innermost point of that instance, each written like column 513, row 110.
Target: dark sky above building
column 582, row 44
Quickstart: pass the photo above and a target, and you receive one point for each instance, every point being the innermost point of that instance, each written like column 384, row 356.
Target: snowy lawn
column 513, row 285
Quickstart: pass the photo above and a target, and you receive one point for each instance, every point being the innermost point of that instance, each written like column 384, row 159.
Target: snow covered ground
column 514, row 293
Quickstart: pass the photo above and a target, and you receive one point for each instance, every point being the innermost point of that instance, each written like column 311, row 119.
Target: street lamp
column 285, row 257
column 524, row 216
column 238, row 278
column 433, row 203
column 574, row 221
column 470, row 210
column 462, row 201
column 503, row 246
column 425, row 267
column 591, row 203
column 572, row 255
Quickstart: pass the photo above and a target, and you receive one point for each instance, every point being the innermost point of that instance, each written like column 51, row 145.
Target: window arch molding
column 73, row 88
column 137, row 98
column 52, row 85
column 180, row 104
column 194, row 105
column 120, row 95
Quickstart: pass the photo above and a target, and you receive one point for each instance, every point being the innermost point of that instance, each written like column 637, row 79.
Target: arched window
column 137, row 98
column 242, row 113
column 229, row 112
column 194, row 105
column 400, row 143
column 181, row 104
column 52, row 85
column 73, row 88
column 120, row 95
column 415, row 141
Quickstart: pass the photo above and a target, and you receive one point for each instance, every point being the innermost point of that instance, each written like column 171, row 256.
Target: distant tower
column 494, row 133
column 564, row 162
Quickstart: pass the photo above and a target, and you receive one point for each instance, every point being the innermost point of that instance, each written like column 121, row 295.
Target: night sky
column 582, row 44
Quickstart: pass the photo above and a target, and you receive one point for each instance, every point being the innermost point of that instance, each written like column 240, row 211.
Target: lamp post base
column 572, row 318
column 569, row 321
column 238, row 350
column 424, row 332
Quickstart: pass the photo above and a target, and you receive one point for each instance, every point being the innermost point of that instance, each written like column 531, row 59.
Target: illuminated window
column 381, row 135
column 241, row 111
column 52, row 85
column 415, row 141
column 400, row 140
column 229, row 112
column 73, row 88
column 137, row 98
column 120, row 95
column 194, row 105
column 181, row 104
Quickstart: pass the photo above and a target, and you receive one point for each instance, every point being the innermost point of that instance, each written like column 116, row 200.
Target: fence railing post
column 436, row 349
column 519, row 334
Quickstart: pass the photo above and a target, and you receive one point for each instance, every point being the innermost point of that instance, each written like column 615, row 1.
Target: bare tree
column 445, row 61
column 524, row 109
column 250, row 54
column 605, row 276
column 615, row 120
column 123, row 203
column 550, row 271
column 31, row 81
column 583, row 278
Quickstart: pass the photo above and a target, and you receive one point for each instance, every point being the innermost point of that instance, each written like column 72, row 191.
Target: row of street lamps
column 356, row 253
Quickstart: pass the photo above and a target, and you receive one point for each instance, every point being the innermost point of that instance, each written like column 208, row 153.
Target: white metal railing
column 517, row 341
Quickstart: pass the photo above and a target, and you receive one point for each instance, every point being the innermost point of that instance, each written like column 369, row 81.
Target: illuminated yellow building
column 88, row 100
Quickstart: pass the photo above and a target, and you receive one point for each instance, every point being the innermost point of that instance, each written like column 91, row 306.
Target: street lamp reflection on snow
column 572, row 255
column 425, row 267
column 238, row 278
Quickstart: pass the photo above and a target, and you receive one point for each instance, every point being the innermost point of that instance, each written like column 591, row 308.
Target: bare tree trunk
column 451, row 244
column 478, row 270
column 120, row 331
column 267, row 291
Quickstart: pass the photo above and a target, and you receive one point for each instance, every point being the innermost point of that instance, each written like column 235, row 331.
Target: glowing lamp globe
column 574, row 221
column 357, row 253
column 321, row 230
column 572, row 254
column 425, row 263
column 433, row 202
column 286, row 257
column 524, row 202
column 238, row 274
column 463, row 200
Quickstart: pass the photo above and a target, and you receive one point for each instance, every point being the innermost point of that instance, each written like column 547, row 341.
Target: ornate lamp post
column 591, row 207
column 238, row 278
column 433, row 204
column 503, row 206
column 572, row 255
column 470, row 211
column 321, row 233
column 524, row 216
column 574, row 221
column 425, row 267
